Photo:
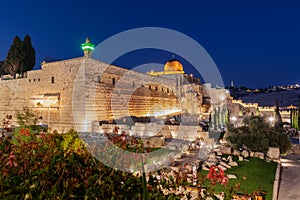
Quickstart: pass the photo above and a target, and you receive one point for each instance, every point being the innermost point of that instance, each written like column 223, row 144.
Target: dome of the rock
column 173, row 65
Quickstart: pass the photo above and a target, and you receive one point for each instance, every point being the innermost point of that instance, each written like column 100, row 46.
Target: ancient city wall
column 85, row 90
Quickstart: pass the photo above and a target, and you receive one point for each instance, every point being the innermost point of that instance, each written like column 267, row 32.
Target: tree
column 298, row 115
column 294, row 118
column 278, row 119
column 257, row 135
column 27, row 118
column 14, row 57
column 20, row 57
column 2, row 72
column 28, row 62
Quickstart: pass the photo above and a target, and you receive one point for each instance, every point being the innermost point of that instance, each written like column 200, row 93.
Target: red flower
column 149, row 187
column 26, row 132
column 12, row 160
column 217, row 175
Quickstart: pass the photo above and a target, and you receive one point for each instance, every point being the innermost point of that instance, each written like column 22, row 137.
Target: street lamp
column 271, row 119
column 233, row 120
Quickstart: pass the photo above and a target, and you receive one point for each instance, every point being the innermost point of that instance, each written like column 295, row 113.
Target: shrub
column 257, row 135
column 58, row 166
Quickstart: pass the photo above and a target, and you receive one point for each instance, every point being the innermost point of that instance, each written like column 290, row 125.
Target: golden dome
column 173, row 65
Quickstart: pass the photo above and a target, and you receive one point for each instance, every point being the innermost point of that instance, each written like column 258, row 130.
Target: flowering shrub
column 58, row 166
column 217, row 175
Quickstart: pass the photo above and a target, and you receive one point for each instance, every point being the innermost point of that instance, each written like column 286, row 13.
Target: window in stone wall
column 133, row 84
column 113, row 81
column 149, row 87
column 29, row 80
column 156, row 88
column 168, row 90
column 39, row 79
column 98, row 79
column 34, row 80
column 52, row 79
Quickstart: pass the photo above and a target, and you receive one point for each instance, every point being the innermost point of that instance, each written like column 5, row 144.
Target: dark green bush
column 257, row 135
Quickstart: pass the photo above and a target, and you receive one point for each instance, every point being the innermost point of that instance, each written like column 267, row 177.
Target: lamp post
column 271, row 119
column 234, row 120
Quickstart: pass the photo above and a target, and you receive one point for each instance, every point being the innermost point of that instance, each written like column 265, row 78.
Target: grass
column 259, row 175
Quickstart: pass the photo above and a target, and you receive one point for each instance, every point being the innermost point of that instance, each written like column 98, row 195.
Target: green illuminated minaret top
column 87, row 47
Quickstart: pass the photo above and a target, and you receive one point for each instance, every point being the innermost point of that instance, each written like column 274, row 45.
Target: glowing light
column 271, row 119
column 87, row 46
column 233, row 118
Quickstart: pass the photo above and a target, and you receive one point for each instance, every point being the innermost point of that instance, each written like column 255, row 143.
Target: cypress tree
column 292, row 117
column 278, row 119
column 28, row 62
column 14, row 57
column 2, row 71
column 298, row 116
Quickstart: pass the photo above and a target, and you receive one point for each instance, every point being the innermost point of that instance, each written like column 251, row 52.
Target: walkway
column 289, row 188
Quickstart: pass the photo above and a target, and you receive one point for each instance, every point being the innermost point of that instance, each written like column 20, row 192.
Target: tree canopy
column 20, row 57
column 28, row 62
column 257, row 135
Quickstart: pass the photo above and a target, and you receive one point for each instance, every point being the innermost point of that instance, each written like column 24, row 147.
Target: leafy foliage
column 14, row 57
column 20, row 57
column 278, row 119
column 58, row 166
column 28, row 62
column 257, row 135
column 295, row 118
column 2, row 71
column 26, row 118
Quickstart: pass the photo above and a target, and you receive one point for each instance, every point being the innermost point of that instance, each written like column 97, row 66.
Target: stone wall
column 182, row 132
column 73, row 93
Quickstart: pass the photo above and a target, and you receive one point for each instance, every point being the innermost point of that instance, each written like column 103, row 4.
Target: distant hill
column 285, row 98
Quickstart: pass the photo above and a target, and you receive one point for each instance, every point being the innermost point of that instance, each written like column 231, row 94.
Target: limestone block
column 273, row 153
column 185, row 147
column 233, row 164
column 236, row 152
column 212, row 160
column 232, row 176
column 124, row 127
column 153, row 141
column 222, row 167
column 225, row 165
column 251, row 154
column 210, row 141
column 229, row 159
column 241, row 158
column 245, row 154
column 226, row 150
column 259, row 155
column 203, row 135
column 212, row 156
column 209, row 164
column 172, row 147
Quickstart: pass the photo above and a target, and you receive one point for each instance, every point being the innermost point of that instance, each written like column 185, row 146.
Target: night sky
column 254, row 43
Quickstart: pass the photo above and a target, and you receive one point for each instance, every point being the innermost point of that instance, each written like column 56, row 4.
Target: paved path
column 289, row 188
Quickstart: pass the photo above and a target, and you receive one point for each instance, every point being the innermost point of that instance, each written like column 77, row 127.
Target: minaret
column 87, row 48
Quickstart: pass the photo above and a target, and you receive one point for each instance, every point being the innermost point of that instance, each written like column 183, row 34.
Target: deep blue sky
column 255, row 43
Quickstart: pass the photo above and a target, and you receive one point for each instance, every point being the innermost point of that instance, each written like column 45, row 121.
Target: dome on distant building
column 173, row 65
